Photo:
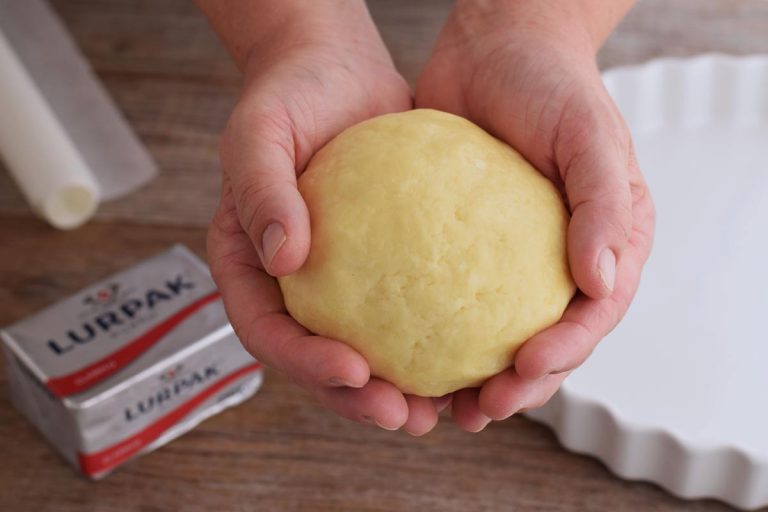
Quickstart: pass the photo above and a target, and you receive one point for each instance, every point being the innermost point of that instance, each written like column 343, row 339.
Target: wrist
column 256, row 29
column 345, row 35
column 582, row 25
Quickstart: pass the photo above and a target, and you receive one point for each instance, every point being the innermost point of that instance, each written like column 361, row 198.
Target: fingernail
column 338, row 382
column 417, row 434
column 606, row 268
column 482, row 427
column 441, row 402
column 384, row 426
column 372, row 421
column 271, row 240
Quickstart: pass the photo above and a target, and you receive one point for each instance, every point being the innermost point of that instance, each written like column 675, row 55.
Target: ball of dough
column 437, row 250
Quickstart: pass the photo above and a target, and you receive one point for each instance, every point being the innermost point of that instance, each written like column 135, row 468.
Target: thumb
column 257, row 155
column 596, row 154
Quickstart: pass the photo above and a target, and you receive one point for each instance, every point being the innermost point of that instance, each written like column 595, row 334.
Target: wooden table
column 281, row 451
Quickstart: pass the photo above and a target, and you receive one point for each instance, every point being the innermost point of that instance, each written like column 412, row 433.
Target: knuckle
column 620, row 302
column 581, row 125
column 224, row 223
column 620, row 221
column 264, row 124
column 211, row 242
column 593, row 135
column 251, row 336
column 254, row 200
column 259, row 115
column 257, row 191
column 612, row 213
column 216, row 261
column 639, row 191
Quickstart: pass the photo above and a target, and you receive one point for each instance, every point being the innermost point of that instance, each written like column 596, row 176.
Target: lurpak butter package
column 128, row 364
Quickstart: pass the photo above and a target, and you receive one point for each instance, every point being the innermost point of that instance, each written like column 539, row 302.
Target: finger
column 593, row 154
column 542, row 394
column 643, row 211
column 378, row 402
column 466, row 412
column 441, row 403
column 422, row 415
column 507, row 393
column 255, row 309
column 281, row 343
column 568, row 343
column 257, row 154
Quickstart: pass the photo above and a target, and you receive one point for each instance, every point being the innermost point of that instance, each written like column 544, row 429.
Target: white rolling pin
column 39, row 154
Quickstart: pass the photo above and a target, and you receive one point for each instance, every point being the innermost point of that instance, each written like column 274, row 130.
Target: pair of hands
column 528, row 78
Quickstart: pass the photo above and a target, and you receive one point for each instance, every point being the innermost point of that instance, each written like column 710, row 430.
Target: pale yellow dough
column 437, row 250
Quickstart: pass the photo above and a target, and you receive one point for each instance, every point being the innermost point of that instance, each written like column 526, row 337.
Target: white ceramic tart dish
column 677, row 394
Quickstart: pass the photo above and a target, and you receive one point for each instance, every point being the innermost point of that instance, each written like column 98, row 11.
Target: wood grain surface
column 280, row 451
column 176, row 85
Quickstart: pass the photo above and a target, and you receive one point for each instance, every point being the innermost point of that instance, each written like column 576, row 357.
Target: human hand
column 526, row 72
column 301, row 88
